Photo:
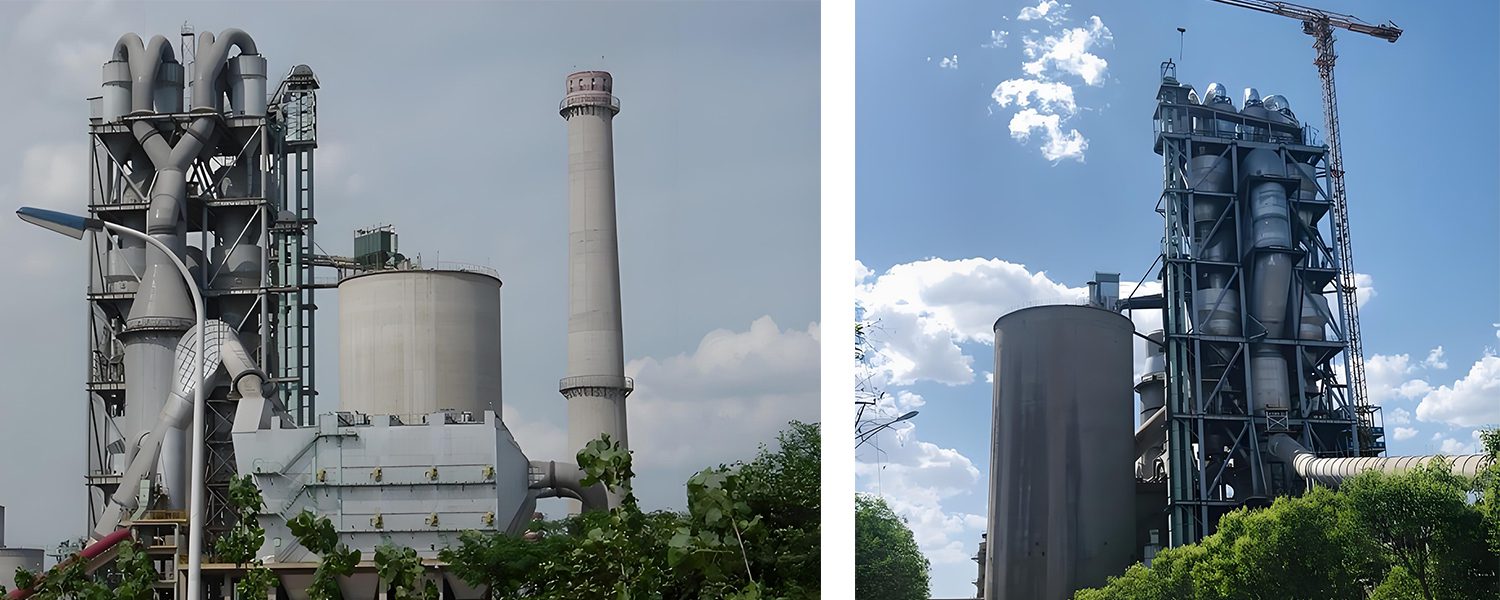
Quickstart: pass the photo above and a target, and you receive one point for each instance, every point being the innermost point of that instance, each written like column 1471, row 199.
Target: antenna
column 1181, row 35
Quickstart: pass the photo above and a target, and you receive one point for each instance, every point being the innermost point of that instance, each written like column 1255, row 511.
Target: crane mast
column 1320, row 24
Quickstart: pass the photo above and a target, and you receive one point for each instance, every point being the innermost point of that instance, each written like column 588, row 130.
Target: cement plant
column 1254, row 387
column 196, row 145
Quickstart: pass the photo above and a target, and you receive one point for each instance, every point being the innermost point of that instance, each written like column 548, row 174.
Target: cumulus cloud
column 1389, row 377
column 755, row 381
column 1048, row 10
column 1399, row 416
column 1405, row 433
column 1049, row 96
column 1044, row 101
column 1059, row 144
column 1070, row 52
column 925, row 309
column 916, row 478
column 997, row 39
column 1364, row 289
column 949, row 62
column 1435, row 359
column 1472, row 401
column 1452, row 447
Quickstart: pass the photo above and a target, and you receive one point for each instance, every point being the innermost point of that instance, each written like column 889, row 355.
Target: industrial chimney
column 595, row 385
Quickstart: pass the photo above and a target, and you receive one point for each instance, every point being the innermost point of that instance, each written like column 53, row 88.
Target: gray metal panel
column 415, row 342
column 1061, row 513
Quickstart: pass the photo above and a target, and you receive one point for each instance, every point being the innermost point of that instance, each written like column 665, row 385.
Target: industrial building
column 1249, row 391
column 191, row 146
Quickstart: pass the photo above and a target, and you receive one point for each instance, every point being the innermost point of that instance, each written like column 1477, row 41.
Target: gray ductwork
column 161, row 450
column 1333, row 471
column 213, row 57
column 152, row 76
column 565, row 480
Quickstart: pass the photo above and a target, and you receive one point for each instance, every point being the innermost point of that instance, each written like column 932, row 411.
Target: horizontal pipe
column 1333, row 471
column 566, row 480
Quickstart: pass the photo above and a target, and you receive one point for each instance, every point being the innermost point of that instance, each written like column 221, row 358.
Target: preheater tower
column 595, row 385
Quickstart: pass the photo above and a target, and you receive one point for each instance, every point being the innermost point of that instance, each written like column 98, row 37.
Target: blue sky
column 958, row 221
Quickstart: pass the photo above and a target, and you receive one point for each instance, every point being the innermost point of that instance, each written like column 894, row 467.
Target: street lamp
column 862, row 437
column 74, row 226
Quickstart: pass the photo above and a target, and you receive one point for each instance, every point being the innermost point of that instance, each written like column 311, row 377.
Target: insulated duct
column 1270, row 275
column 161, row 450
column 565, row 480
column 1333, row 471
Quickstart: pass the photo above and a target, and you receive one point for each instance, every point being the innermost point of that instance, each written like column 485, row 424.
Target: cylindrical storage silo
column 1061, row 511
column 415, row 342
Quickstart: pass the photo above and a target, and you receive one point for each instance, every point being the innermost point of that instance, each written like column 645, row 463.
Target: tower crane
column 1319, row 24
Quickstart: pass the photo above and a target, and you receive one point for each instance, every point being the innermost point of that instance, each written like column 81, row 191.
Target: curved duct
column 1333, row 471
column 565, row 480
column 213, row 57
column 160, row 450
column 149, row 72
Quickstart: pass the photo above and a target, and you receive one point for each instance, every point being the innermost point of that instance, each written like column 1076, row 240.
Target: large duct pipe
column 153, row 70
column 161, row 449
column 1333, row 471
column 213, row 57
column 595, row 385
column 560, row 479
column 1152, row 389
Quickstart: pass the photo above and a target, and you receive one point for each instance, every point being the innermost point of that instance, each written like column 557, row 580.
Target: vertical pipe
column 595, row 385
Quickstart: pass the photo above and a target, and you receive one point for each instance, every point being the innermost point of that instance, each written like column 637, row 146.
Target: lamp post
column 74, row 226
column 862, row 437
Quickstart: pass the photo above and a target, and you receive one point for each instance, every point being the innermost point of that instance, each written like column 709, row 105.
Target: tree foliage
column 240, row 544
column 888, row 565
column 1426, row 534
column 400, row 569
column 318, row 535
column 750, row 532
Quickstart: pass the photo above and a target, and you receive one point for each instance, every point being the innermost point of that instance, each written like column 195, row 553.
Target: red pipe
column 94, row 549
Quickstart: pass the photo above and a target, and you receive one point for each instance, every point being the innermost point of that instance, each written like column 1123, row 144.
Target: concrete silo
column 1061, row 515
column 414, row 342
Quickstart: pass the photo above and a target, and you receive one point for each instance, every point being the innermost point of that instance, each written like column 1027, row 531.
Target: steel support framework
column 1215, row 440
column 253, row 150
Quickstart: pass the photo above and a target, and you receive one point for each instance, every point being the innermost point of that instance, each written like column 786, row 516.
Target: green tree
column 784, row 489
column 401, row 570
column 1423, row 521
column 887, row 563
column 336, row 560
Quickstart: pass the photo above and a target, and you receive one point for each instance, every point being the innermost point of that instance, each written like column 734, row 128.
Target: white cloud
column 916, row 478
column 1048, row 10
column 1472, row 401
column 1059, row 144
column 1405, row 433
column 1049, row 95
column 1452, row 447
column 949, row 62
column 1435, row 359
column 1399, row 416
column 717, row 404
column 1071, row 53
column 923, row 310
column 1364, row 289
column 997, row 39
column 1388, row 378
column 1045, row 103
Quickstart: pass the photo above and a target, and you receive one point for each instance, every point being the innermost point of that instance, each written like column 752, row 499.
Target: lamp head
column 64, row 223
